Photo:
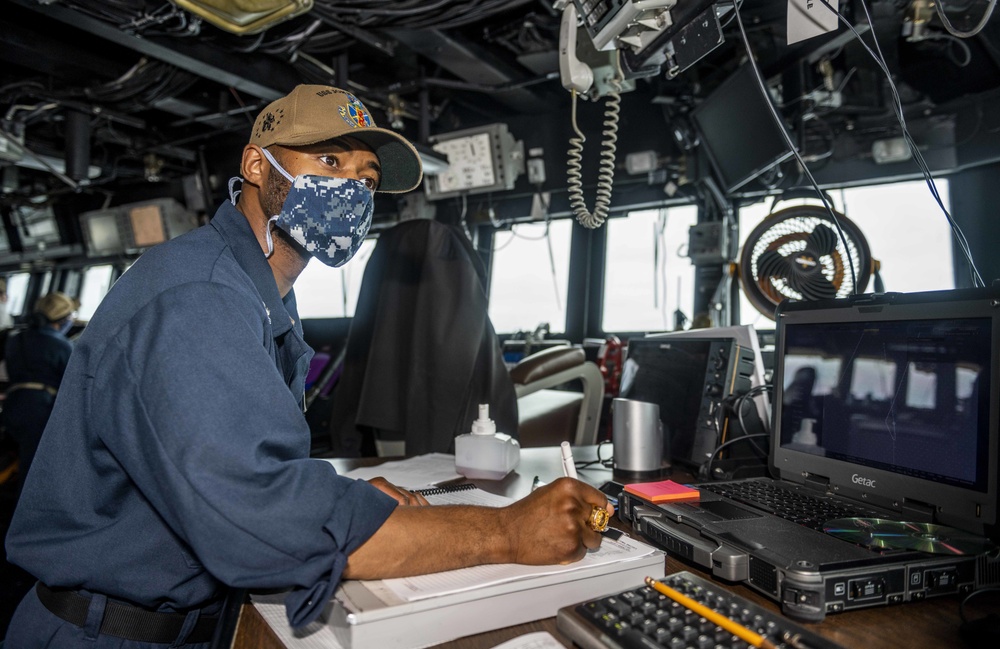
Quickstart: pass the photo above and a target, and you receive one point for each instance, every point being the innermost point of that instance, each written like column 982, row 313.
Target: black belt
column 32, row 386
column 124, row 620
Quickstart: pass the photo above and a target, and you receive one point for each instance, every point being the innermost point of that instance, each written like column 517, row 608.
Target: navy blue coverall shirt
column 176, row 459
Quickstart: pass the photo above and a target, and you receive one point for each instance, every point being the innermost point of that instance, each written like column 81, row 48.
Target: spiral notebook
column 447, row 489
column 463, row 494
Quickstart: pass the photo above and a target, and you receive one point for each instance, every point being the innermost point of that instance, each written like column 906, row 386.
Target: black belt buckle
column 123, row 620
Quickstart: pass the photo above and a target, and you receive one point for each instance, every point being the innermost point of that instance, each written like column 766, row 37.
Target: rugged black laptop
column 884, row 407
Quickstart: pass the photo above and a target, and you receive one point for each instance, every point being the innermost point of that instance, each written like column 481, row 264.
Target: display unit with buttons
column 693, row 380
column 480, row 160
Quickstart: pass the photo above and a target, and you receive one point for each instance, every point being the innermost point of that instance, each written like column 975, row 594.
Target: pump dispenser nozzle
column 484, row 425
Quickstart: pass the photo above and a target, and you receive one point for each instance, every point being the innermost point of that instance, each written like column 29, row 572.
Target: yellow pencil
column 735, row 628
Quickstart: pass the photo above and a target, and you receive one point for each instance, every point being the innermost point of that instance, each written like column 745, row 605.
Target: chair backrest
column 548, row 416
column 421, row 353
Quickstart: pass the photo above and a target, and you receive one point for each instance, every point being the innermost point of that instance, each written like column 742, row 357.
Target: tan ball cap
column 56, row 306
column 312, row 113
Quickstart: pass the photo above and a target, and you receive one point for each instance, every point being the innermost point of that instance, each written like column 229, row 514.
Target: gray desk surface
column 931, row 623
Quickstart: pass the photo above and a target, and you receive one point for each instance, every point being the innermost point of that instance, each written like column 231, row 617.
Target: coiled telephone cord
column 606, row 173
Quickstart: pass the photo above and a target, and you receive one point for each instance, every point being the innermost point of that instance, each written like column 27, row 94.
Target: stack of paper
column 420, row 611
column 414, row 612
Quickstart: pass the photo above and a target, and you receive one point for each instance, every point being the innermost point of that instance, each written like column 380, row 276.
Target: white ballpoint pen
column 569, row 465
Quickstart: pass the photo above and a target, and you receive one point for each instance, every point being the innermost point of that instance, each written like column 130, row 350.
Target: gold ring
column 599, row 519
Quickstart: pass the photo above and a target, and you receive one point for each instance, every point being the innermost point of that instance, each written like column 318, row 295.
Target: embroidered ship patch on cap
column 355, row 113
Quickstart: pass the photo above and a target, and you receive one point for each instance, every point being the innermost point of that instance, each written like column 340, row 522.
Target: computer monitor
column 147, row 225
column 693, row 376
column 37, row 227
column 737, row 131
column 671, row 376
column 103, row 234
column 134, row 227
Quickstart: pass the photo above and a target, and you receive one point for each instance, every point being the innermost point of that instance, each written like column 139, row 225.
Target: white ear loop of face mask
column 234, row 194
column 271, row 221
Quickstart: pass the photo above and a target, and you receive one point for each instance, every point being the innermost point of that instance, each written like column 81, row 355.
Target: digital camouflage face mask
column 329, row 217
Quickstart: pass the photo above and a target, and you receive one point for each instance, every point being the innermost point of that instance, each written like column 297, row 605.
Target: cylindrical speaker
column 637, row 438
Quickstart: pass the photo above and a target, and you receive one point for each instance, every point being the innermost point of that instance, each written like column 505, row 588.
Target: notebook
column 885, row 407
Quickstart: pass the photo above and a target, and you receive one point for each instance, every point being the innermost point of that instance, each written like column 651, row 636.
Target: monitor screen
column 103, row 235
column 38, row 228
column 737, row 130
column 670, row 374
column 147, row 225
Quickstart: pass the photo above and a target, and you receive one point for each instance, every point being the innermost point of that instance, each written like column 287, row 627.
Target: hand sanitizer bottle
column 805, row 434
column 484, row 453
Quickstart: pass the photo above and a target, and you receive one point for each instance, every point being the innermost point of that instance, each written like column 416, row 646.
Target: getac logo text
column 867, row 482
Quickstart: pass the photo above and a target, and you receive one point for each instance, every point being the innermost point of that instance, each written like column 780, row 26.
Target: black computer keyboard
column 804, row 509
column 642, row 618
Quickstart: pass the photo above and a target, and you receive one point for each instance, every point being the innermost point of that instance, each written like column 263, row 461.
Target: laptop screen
column 909, row 397
column 893, row 399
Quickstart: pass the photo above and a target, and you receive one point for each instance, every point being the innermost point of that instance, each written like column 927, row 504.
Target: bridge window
column 647, row 277
column 827, row 371
column 95, row 285
column 921, row 387
column 873, row 379
column 530, row 275
column 17, row 293
column 325, row 292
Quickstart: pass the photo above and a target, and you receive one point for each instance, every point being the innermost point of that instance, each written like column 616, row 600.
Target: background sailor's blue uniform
column 37, row 355
column 176, row 459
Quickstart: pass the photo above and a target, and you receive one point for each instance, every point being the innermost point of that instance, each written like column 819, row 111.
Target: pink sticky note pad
column 662, row 491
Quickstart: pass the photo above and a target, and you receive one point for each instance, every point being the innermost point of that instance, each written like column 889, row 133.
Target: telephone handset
column 574, row 73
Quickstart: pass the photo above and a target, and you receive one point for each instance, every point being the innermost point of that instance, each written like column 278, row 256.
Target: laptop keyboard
column 801, row 508
column 643, row 618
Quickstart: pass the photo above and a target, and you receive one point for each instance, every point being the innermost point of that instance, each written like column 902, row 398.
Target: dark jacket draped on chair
column 422, row 353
